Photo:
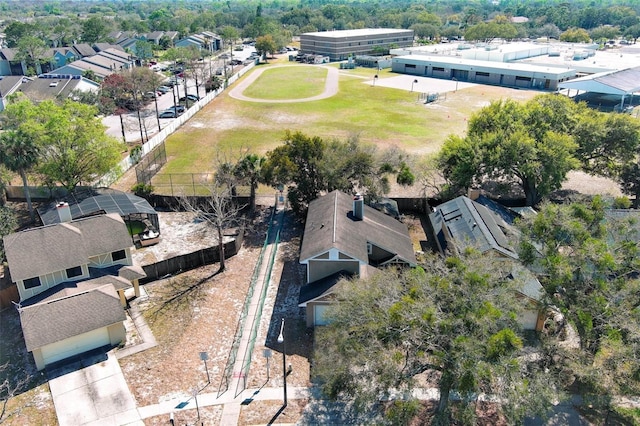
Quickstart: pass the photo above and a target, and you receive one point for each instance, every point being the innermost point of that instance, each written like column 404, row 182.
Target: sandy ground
column 180, row 233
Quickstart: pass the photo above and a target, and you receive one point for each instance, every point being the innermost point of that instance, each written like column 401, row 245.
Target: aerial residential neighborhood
column 242, row 213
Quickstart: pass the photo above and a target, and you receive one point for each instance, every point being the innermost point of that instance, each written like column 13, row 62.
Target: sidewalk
column 209, row 399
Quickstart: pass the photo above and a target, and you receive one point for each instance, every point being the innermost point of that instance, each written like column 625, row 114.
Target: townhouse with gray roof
column 345, row 237
column 480, row 223
column 71, row 278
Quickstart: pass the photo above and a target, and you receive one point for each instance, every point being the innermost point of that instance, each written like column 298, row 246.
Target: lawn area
column 377, row 115
column 279, row 83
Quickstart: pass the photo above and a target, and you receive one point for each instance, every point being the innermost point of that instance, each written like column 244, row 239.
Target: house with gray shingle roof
column 8, row 85
column 83, row 49
column 70, row 324
column 463, row 222
column 487, row 226
column 71, row 278
column 345, row 237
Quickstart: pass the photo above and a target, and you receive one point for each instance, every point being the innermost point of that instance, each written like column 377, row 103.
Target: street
column 135, row 130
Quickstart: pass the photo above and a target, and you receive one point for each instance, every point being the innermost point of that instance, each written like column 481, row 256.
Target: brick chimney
column 358, row 207
column 64, row 212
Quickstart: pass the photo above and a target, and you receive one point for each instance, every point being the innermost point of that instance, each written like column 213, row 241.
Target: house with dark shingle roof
column 8, row 85
column 69, row 324
column 345, row 237
column 73, row 269
column 463, row 222
column 83, row 49
column 487, row 226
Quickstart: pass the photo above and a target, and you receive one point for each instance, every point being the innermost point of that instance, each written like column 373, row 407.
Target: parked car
column 164, row 89
column 191, row 97
column 168, row 114
column 178, row 109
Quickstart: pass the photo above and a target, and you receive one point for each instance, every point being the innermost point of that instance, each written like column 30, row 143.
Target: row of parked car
column 178, row 110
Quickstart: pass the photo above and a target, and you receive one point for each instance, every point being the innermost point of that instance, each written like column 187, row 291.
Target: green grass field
column 376, row 115
column 279, row 83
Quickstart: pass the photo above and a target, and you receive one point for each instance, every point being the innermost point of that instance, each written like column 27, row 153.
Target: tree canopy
column 72, row 145
column 588, row 261
column 451, row 321
column 311, row 165
column 529, row 144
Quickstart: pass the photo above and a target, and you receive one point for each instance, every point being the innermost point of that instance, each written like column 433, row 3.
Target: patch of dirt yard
column 198, row 311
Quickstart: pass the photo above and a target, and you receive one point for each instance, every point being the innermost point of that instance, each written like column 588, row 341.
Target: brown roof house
column 345, row 237
column 487, row 226
column 71, row 278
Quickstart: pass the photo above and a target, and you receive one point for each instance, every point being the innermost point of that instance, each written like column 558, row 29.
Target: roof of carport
column 622, row 82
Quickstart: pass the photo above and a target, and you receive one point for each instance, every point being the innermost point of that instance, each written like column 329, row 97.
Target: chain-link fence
column 151, row 164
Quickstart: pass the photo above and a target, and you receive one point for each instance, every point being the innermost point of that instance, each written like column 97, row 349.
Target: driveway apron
column 94, row 395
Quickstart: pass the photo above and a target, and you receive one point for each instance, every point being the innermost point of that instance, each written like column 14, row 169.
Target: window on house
column 482, row 74
column 409, row 66
column 118, row 255
column 74, row 272
column 438, row 69
column 523, row 78
column 32, row 282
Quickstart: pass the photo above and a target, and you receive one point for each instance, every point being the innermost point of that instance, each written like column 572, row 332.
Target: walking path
column 330, row 87
column 231, row 411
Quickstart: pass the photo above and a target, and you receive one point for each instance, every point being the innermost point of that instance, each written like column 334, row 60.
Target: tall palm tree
column 19, row 153
column 249, row 169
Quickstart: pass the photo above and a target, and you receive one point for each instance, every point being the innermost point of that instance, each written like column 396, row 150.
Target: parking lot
column 151, row 116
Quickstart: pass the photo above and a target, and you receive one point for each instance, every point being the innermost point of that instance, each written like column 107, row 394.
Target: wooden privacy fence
column 186, row 262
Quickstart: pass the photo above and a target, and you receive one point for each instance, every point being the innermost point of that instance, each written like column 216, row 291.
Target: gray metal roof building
column 510, row 74
column 623, row 83
column 339, row 45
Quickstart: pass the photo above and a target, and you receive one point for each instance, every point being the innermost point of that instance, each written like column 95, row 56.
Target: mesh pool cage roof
column 89, row 202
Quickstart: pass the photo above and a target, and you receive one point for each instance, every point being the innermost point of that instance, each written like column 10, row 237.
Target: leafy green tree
column 528, row 144
column 426, row 31
column 575, row 35
column 8, row 225
column 489, row 31
column 629, row 180
column 588, row 261
column 265, row 45
column 94, row 30
column 297, row 163
column 16, row 31
column 72, row 142
column 32, row 51
column 606, row 141
column 604, row 33
column 632, row 33
column 144, row 50
column 454, row 320
column 549, row 31
column 213, row 83
column 19, row 153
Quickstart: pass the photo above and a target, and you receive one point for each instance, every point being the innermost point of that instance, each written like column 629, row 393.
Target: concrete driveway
column 95, row 394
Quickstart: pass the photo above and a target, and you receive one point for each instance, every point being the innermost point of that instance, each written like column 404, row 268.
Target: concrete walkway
column 231, row 410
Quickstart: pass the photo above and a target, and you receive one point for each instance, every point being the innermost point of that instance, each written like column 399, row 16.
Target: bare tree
column 218, row 208
column 9, row 388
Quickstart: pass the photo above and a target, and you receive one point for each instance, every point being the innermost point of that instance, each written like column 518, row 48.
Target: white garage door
column 75, row 345
column 529, row 320
column 319, row 315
